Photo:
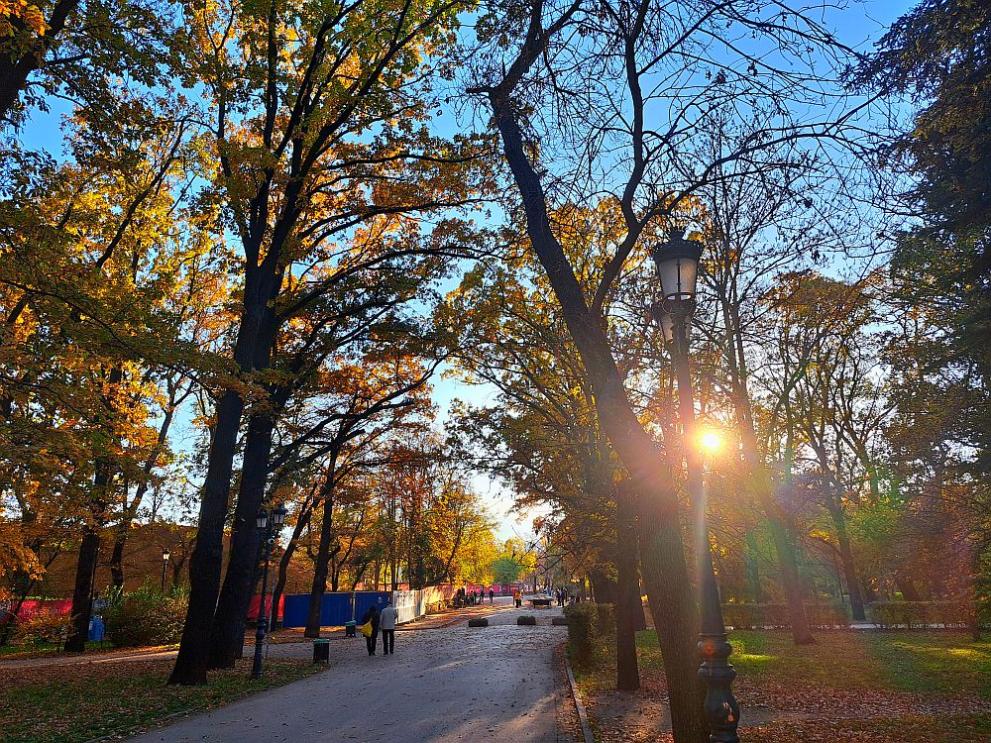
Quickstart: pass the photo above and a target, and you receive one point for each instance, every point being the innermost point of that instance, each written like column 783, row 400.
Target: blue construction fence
column 336, row 608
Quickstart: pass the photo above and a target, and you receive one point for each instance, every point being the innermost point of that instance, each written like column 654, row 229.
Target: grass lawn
column 40, row 649
column 885, row 687
column 79, row 703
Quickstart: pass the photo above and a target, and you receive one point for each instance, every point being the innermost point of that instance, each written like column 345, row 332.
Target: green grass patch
column 41, row 649
column 78, row 703
column 932, row 662
column 927, row 662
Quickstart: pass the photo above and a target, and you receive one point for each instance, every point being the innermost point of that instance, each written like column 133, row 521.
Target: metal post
column 721, row 708
column 262, row 623
column 164, row 565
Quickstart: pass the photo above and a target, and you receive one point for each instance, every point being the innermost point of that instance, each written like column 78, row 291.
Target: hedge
column 145, row 617
column 911, row 614
column 582, row 629
column 43, row 627
column 755, row 616
column 884, row 614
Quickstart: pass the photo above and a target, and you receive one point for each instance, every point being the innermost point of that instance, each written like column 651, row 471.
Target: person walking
column 387, row 621
column 372, row 616
column 491, row 596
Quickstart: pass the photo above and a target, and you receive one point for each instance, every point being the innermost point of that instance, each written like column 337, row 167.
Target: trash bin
column 349, row 629
column 321, row 651
column 97, row 629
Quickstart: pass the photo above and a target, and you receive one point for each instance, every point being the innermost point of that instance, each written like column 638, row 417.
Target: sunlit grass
column 85, row 702
column 929, row 662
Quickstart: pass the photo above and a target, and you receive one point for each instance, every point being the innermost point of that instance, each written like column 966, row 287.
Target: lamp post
column 677, row 267
column 268, row 527
column 165, row 563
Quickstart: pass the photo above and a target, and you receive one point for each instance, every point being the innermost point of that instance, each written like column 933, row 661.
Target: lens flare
column 710, row 441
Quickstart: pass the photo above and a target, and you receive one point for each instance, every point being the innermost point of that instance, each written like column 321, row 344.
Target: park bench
column 541, row 601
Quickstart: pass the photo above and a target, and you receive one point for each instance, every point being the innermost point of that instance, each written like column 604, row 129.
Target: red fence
column 33, row 607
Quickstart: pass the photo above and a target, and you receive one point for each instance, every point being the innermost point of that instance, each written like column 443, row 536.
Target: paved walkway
column 444, row 684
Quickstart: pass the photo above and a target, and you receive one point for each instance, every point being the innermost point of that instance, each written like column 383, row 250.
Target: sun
column 710, row 440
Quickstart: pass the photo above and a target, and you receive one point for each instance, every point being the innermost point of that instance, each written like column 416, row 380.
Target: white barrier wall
column 413, row 604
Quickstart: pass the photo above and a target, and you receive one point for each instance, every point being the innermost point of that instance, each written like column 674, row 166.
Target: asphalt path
column 443, row 684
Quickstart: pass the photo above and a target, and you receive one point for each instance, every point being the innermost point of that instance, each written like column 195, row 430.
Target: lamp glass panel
column 678, row 277
column 261, row 519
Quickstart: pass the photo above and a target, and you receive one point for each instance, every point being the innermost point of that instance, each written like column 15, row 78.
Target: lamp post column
column 721, row 708
column 262, row 617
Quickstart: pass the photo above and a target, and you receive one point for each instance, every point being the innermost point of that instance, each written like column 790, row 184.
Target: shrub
column 582, row 620
column 911, row 614
column 559, row 621
column 145, row 617
column 527, row 619
column 478, row 622
column 41, row 628
column 755, row 616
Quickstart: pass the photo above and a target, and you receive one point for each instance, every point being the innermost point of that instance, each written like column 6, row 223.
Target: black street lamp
column 677, row 267
column 165, row 563
column 268, row 527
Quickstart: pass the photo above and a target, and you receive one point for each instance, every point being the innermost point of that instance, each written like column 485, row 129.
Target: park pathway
column 450, row 683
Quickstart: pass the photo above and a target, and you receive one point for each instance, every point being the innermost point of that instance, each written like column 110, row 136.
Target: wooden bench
column 545, row 602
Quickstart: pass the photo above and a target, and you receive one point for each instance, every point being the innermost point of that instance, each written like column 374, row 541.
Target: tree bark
column 846, row 558
column 15, row 70
column 320, row 567
column 89, row 549
column 251, row 351
column 280, row 584
column 628, row 604
column 230, row 618
column 662, row 551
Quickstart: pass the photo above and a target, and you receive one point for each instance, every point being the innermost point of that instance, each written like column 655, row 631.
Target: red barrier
column 256, row 601
column 33, row 607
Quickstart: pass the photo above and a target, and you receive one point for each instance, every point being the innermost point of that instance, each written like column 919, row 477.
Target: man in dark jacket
column 372, row 615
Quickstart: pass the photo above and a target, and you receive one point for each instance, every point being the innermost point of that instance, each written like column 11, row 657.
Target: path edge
column 582, row 714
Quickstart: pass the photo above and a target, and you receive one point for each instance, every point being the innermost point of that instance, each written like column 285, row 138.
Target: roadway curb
column 582, row 714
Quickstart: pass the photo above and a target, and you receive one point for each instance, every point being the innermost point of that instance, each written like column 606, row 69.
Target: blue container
column 97, row 629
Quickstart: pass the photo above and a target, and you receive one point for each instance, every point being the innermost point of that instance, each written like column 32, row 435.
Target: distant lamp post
column 268, row 527
column 677, row 262
column 165, row 563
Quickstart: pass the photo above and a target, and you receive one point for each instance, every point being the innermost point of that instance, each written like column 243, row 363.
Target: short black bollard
column 349, row 629
column 321, row 651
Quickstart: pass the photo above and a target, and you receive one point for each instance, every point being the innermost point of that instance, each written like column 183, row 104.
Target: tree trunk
column 661, row 548
column 676, row 623
column 320, row 569
column 89, row 549
column 846, row 558
column 628, row 604
column 252, row 350
column 280, row 584
column 753, row 569
column 117, row 558
column 230, row 618
column 15, row 70
column 604, row 588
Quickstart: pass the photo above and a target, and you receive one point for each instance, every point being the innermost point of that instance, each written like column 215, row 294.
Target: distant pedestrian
column 387, row 621
column 372, row 617
column 491, row 596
